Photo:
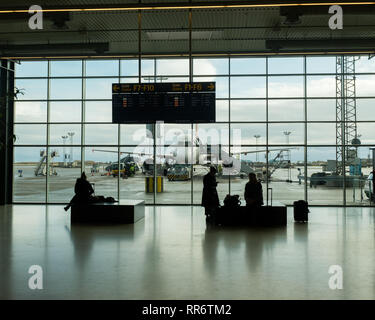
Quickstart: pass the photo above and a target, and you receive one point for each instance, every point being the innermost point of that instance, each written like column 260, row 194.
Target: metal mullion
column 190, row 22
column 119, row 141
column 305, row 134
column 202, row 75
column 83, row 115
column 343, row 133
column 229, row 117
column 267, row 120
column 48, row 131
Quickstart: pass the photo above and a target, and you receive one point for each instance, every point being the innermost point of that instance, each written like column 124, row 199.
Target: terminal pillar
column 6, row 130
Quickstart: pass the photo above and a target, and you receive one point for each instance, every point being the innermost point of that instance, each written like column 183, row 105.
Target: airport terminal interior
column 293, row 103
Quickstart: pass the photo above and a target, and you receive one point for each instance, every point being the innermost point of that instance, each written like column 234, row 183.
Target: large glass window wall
column 275, row 116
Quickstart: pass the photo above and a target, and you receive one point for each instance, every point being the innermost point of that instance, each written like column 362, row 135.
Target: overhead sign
column 163, row 87
column 168, row 102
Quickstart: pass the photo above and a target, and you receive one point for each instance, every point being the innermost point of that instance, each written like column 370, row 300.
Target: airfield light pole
column 71, row 134
column 64, row 149
column 287, row 134
column 256, row 136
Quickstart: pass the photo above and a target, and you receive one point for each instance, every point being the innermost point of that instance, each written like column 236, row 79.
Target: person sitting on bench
column 253, row 192
column 83, row 192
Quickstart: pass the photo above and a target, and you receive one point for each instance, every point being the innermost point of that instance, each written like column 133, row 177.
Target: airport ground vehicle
column 179, row 172
column 369, row 192
column 114, row 169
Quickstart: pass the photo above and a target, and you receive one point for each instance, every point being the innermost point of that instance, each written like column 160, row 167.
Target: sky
column 241, row 88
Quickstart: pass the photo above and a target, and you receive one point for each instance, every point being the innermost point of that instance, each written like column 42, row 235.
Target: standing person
column 83, row 192
column 210, row 198
column 253, row 191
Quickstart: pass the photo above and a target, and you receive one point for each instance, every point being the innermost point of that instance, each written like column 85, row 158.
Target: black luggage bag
column 301, row 211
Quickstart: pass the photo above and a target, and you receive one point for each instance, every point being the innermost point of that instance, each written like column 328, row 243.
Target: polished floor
column 171, row 254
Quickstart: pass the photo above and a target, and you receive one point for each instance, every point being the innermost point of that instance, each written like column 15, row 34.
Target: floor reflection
column 171, row 254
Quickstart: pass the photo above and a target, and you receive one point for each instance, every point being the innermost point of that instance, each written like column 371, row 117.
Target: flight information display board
column 169, row 102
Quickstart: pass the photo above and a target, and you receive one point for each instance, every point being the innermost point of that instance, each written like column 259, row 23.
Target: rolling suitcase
column 301, row 211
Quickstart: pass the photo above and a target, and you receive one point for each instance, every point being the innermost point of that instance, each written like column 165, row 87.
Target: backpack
column 232, row 201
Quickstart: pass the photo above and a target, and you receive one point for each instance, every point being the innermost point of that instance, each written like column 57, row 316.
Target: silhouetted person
column 210, row 198
column 83, row 192
column 253, row 191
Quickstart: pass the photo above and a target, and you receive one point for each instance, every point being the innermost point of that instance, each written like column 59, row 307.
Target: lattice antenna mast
column 346, row 111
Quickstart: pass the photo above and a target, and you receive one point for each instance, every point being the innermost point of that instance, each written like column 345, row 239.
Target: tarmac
column 30, row 188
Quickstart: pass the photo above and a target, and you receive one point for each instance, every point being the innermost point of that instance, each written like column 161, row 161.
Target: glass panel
column 172, row 67
column 324, row 186
column 136, row 166
column 35, row 89
column 135, row 80
column 65, row 168
column 248, row 110
column 101, row 167
column 319, row 86
column 136, row 134
column 69, row 111
column 213, row 134
column 321, row 64
column 98, row 111
column 148, row 67
column 366, row 132
column 30, row 134
column 129, row 67
column 285, row 167
column 32, row 69
column 285, row 65
column 321, row 133
column 102, row 68
column 365, row 86
column 222, row 110
column 364, row 64
column 286, row 110
column 360, row 188
column 286, row 133
column 365, row 109
column 69, row 134
column 175, row 170
column 30, row 111
column 248, row 66
column 165, row 79
column 66, row 68
column 199, row 171
column 248, row 87
column 280, row 87
column 29, row 180
column 222, row 85
column 64, row 89
column 254, row 161
column 101, row 134
column 211, row 141
column 210, row 66
column 173, row 134
column 99, row 88
column 321, row 109
column 245, row 134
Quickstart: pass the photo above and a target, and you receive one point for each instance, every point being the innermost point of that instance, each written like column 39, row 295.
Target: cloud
column 30, row 111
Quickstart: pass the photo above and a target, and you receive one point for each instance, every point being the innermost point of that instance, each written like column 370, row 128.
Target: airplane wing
column 140, row 154
column 258, row 151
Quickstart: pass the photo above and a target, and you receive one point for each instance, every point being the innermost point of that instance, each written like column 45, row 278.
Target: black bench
column 125, row 211
column 275, row 215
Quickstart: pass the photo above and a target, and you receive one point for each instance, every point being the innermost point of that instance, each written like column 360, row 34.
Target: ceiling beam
column 321, row 45
column 185, row 5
